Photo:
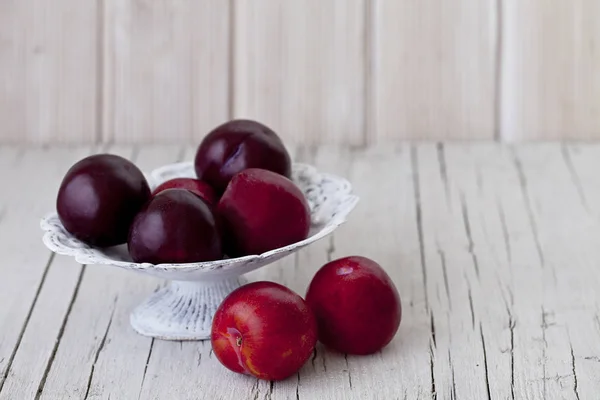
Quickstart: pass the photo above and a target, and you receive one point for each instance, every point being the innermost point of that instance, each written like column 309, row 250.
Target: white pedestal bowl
column 183, row 309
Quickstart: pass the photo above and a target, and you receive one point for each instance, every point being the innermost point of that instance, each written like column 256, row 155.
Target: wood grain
column 550, row 85
column 433, row 70
column 300, row 68
column 48, row 70
column 493, row 248
column 166, row 69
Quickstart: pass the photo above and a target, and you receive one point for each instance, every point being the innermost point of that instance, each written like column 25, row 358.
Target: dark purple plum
column 99, row 198
column 238, row 145
column 176, row 226
column 262, row 211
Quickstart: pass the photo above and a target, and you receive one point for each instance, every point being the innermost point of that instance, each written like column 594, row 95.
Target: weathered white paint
column 301, row 68
column 337, row 71
column 165, row 71
column 493, row 249
column 35, row 289
column 433, row 69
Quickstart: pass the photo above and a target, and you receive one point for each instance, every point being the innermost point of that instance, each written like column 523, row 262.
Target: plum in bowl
column 201, row 286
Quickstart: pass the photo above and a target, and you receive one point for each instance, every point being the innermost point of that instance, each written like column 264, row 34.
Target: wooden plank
column 384, row 227
column 52, row 308
column 300, row 68
column 534, row 169
column 434, row 70
column 473, row 175
column 34, row 299
column 542, row 305
column 569, row 238
column 550, row 85
column 166, row 69
column 48, row 75
column 582, row 161
column 460, row 368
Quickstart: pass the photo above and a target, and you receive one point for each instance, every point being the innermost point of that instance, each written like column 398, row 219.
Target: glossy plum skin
column 237, row 145
column 202, row 189
column 356, row 304
column 176, row 226
column 265, row 330
column 99, row 197
column 262, row 211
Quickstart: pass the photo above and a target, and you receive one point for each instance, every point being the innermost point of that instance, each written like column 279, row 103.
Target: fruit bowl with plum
column 240, row 205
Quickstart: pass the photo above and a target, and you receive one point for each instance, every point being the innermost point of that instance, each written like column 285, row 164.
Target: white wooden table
column 495, row 251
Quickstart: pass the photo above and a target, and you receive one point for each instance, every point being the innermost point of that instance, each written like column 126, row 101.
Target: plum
column 356, row 304
column 265, row 330
column 202, row 189
column 237, row 145
column 261, row 211
column 176, row 226
column 99, row 198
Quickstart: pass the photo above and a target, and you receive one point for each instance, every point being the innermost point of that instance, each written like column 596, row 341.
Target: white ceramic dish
column 183, row 310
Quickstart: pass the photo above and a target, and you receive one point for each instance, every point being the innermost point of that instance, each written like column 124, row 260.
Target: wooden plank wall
column 338, row 71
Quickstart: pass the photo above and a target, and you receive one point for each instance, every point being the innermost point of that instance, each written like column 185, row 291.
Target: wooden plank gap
column 498, row 71
column 100, row 348
column 146, row 367
column 485, row 363
column 512, row 324
column 27, row 318
column 453, row 393
column 575, row 384
column 443, row 170
column 231, row 84
column 529, row 208
column 417, row 193
column 370, row 105
column 100, row 42
column 467, row 225
column 574, row 176
column 60, row 333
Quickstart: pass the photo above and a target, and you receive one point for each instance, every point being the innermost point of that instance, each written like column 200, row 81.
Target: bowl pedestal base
column 182, row 310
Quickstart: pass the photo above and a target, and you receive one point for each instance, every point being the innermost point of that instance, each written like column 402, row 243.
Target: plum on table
column 265, row 330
